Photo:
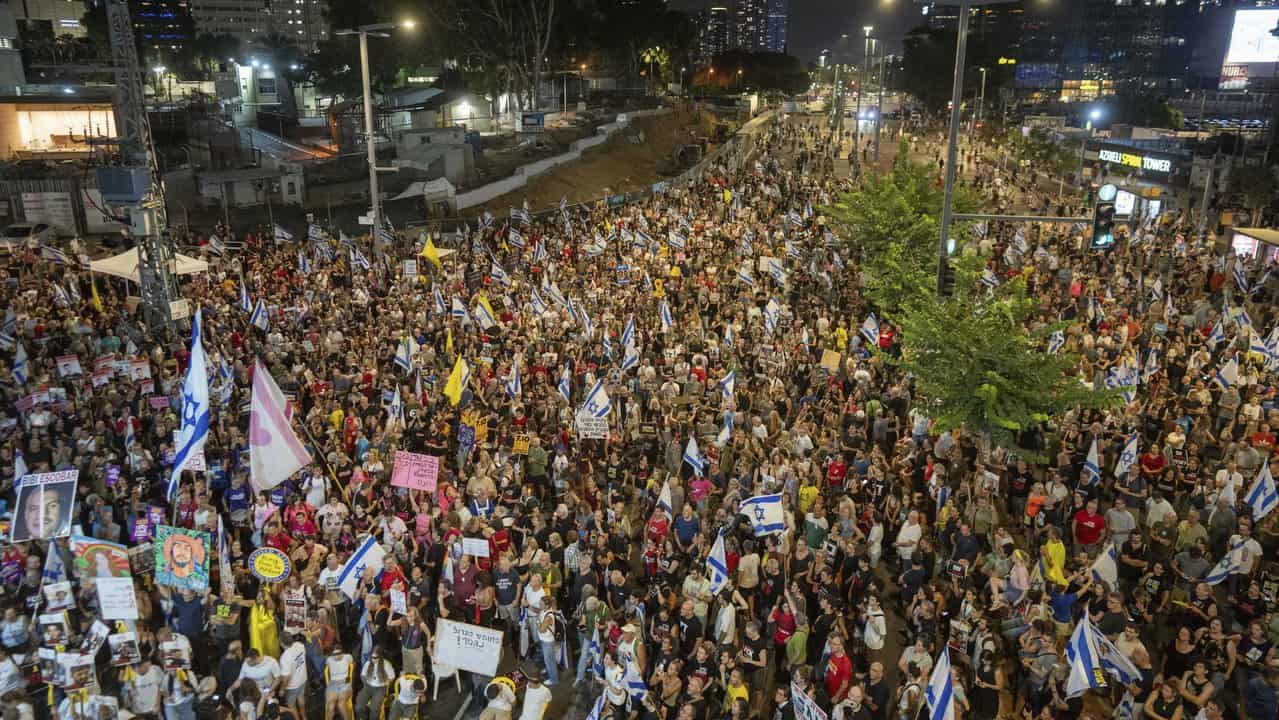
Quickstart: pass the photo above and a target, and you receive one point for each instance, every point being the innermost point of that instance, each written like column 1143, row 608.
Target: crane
column 132, row 185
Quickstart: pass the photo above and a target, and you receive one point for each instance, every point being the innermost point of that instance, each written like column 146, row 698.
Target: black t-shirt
column 690, row 633
column 507, row 586
column 753, row 650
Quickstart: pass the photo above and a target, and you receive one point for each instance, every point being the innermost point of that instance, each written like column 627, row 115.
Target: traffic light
column 945, row 279
column 1103, row 225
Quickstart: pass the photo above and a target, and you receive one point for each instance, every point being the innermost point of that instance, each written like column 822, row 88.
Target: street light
column 365, row 31
column 857, row 116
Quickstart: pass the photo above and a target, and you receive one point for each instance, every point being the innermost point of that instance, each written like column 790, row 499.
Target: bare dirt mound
column 621, row 164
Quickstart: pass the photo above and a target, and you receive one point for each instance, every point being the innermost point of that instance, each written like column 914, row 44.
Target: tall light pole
column 370, row 141
column 861, row 87
column 981, row 100
column 879, row 104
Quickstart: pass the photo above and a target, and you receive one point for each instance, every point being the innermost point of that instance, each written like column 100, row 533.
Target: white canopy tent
column 125, row 265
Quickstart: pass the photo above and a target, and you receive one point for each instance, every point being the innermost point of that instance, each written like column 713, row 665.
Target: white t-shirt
column 613, row 686
column 1246, row 555
column 534, row 597
column 908, row 534
column 339, row 668
column 145, row 691
column 545, row 630
column 264, row 674
column 536, row 700
column 329, row 578
column 293, row 664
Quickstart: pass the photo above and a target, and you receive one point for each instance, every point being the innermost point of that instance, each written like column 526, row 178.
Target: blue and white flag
column 664, row 312
column 772, row 313
column 870, row 330
column 20, row 366
column 940, row 692
column 765, row 513
column 728, row 384
column 628, row 332
column 728, row 335
column 583, row 317
column 440, row 307
column 1229, row 564
column 597, row 709
column 777, row 271
column 1128, row 457
column 537, row 303
column 745, row 248
column 717, row 566
column 130, row 442
column 258, row 318
column 515, row 238
column 19, row 468
column 725, row 432
column 563, row 386
column 246, row 303
column 459, row 310
column 597, row 403
column 395, row 410
column 1241, row 276
column 1151, row 366
column 55, row 567
column 1216, row 335
column 282, row 234
column 404, row 357
column 499, row 275
column 514, row 388
column 676, row 240
column 744, row 276
column 989, row 278
column 53, row 254
column 358, row 259
column 304, row 264
column 1055, row 342
column 521, row 214
column 1086, row 672
column 664, row 501
column 693, row 456
column 195, row 409
column 1091, row 474
column 1262, row 497
column 792, row 251
column 636, row 688
column 1228, row 375
column 1106, row 567
column 553, row 291
column 369, row 555
column 630, row 357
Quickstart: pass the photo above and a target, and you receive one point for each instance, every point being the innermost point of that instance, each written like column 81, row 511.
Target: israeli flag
column 1086, row 671
column 1151, row 366
column 195, row 409
column 459, row 310
column 725, row 432
column 19, row 368
column 486, row 220
column 585, row 319
column 597, row 403
column 514, row 237
column 358, row 259
column 676, row 240
column 395, row 410
column 1257, row 345
column 514, row 388
column 1262, row 497
column 499, row 275
column 664, row 498
column 55, row 568
column 304, row 264
column 440, row 307
column 1241, row 276
column 940, row 692
column 728, row 335
column 664, row 311
column 989, row 278
column 1055, row 342
column 1128, row 457
column 521, row 214
column 259, row 318
column 564, row 388
column 369, row 555
column 53, row 254
column 776, row 271
column 717, row 565
column 628, row 332
column 553, row 291
column 537, row 303
column 728, row 384
column 1216, row 335
column 765, row 513
column 1229, row 563
column 282, row 234
column 597, row 710
column 772, row 312
column 636, row 688
column 1092, row 467
column 744, row 276
column 693, row 455
column 130, row 441
column 1106, row 567
column 792, row 250
column 630, row 358
column 870, row 330
column 403, row 357
column 19, row 468
column 540, row 255
column 1228, row 374
column 745, row 248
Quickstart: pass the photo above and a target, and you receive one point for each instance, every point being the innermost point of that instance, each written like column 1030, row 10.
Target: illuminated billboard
column 1253, row 52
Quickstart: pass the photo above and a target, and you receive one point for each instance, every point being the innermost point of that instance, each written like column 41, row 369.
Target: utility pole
column 956, row 100
column 981, row 100
column 861, row 88
column 879, row 105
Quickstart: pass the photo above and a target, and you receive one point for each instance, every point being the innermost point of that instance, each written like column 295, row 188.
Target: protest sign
column 399, row 603
column 139, row 369
column 57, row 596
column 124, row 649
column 269, row 565
column 830, row 361
column 142, row 559
column 69, row 365
column 43, row 506
column 294, row 610
column 415, row 471
column 117, row 599
column 592, row 428
column 805, row 707
column 99, row 558
column 475, row 547
column 182, row 558
column 519, row 445
column 469, row 647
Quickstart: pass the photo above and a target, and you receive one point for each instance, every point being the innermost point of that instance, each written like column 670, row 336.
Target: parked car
column 32, row 235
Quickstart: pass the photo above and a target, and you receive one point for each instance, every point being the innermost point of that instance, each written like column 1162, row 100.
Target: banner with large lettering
column 469, row 647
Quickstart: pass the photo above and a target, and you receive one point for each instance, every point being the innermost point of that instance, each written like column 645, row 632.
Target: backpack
column 559, row 627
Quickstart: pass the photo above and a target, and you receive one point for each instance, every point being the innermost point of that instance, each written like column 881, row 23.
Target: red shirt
column 1089, row 527
column 839, row 671
column 658, row 527
column 1152, row 464
column 836, row 472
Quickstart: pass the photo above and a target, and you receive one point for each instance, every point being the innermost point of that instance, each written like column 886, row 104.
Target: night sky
column 817, row 24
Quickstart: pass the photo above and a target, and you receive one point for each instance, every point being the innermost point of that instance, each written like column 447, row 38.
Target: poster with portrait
column 182, row 558
column 96, row 558
column 54, row 630
column 142, row 559
column 77, row 670
column 124, row 649
column 102, row 707
column 58, row 596
column 43, row 506
column 95, row 638
column 175, row 655
column 47, row 662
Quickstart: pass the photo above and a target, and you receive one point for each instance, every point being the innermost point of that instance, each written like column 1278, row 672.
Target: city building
column 51, row 18
column 245, row 20
column 712, row 35
column 775, row 30
column 750, row 25
column 302, row 20
column 12, row 74
column 163, row 27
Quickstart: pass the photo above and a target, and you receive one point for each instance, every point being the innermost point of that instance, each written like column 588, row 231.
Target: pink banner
column 415, row 471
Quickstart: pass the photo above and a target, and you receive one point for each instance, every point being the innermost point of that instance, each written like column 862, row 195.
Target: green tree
column 1255, row 185
column 927, row 57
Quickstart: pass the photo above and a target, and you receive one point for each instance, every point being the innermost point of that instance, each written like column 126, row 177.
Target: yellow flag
column 430, row 253
column 448, row 341
column 93, row 288
column 457, row 381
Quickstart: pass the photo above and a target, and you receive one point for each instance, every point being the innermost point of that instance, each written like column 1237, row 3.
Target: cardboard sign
column 269, row 565
column 805, row 707
column 409, row 269
column 469, row 647
column 415, row 471
column 830, row 361
column 159, row 402
column 592, row 428
column 519, row 444
column 475, row 547
column 117, row 598
column 399, row 602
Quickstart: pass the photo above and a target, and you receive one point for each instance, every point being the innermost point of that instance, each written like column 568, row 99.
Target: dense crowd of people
column 724, row 323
